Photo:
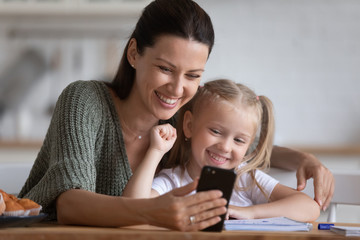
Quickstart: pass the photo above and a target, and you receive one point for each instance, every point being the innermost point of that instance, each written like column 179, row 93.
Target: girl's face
column 220, row 135
column 167, row 74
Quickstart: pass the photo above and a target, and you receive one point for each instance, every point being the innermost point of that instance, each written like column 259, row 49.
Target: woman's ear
column 187, row 124
column 132, row 52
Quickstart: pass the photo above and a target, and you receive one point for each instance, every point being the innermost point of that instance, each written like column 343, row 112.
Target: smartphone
column 217, row 178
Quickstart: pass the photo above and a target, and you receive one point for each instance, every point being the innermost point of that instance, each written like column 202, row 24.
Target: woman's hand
column 174, row 209
column 171, row 210
column 307, row 166
column 324, row 182
column 162, row 137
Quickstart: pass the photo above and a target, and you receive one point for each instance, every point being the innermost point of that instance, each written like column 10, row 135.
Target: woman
column 99, row 134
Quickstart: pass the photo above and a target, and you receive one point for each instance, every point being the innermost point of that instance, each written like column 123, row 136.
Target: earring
column 132, row 65
column 186, row 139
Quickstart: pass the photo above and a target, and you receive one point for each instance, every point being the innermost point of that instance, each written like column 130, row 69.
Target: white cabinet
column 68, row 7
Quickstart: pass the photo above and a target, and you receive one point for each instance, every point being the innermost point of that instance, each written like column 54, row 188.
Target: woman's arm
column 171, row 210
column 284, row 202
column 307, row 166
column 162, row 138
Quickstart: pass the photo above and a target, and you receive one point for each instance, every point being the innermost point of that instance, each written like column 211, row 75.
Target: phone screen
column 217, row 178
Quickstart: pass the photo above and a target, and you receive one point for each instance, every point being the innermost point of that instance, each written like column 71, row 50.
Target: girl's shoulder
column 170, row 172
column 176, row 175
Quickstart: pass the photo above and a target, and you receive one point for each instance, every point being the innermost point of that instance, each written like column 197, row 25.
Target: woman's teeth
column 166, row 100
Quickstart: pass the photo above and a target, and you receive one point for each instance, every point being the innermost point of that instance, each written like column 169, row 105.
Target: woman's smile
column 169, row 102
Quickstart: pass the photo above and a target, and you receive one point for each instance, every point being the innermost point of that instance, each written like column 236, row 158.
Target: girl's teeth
column 217, row 158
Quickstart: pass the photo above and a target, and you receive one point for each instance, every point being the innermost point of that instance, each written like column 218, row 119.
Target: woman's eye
column 194, row 76
column 164, row 69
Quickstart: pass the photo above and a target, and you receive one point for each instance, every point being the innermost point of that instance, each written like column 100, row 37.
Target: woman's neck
column 135, row 122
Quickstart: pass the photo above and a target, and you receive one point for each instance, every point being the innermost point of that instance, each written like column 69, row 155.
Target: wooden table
column 53, row 231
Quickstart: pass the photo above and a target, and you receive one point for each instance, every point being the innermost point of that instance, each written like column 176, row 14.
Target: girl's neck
column 193, row 170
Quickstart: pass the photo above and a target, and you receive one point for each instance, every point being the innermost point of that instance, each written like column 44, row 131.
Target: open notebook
column 267, row 224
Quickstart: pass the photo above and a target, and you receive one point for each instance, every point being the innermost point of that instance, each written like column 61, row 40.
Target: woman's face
column 167, row 74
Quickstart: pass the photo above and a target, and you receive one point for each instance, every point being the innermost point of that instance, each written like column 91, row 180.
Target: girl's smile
column 217, row 159
column 220, row 133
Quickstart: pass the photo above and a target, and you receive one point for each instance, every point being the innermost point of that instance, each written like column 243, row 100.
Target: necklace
column 124, row 126
column 127, row 129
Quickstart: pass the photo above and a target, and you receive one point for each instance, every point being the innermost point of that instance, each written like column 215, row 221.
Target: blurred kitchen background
column 303, row 54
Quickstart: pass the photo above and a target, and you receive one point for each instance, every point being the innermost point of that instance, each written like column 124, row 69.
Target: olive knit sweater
column 83, row 148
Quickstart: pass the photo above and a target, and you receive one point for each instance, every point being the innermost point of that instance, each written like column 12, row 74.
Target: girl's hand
column 239, row 212
column 174, row 209
column 162, row 137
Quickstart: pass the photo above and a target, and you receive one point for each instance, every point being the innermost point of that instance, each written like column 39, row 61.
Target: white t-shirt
column 168, row 179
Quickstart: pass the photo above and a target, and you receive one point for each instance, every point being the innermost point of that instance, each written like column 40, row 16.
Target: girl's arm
column 162, row 139
column 284, row 202
column 171, row 210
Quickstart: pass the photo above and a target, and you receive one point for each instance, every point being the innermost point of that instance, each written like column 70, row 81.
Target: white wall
column 303, row 54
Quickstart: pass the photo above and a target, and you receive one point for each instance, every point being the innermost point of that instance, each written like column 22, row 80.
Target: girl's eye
column 239, row 140
column 215, row 131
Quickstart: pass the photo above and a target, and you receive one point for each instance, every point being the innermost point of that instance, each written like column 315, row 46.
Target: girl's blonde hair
column 237, row 94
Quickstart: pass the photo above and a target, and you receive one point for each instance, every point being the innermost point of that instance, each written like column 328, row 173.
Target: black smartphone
column 217, row 178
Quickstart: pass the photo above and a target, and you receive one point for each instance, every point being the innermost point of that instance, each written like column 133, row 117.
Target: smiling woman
column 100, row 133
column 167, row 76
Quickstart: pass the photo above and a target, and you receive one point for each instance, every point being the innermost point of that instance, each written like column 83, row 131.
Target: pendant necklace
column 126, row 128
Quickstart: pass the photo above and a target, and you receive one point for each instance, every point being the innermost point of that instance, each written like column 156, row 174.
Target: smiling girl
column 217, row 128
column 100, row 132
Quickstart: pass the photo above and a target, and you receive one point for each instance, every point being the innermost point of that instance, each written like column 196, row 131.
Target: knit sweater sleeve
column 67, row 157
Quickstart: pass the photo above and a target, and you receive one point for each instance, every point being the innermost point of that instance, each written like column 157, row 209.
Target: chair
column 346, row 191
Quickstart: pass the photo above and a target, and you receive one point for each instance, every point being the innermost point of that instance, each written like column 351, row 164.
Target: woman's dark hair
column 182, row 18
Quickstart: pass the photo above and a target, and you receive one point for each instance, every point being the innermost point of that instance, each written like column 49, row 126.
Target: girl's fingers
column 167, row 131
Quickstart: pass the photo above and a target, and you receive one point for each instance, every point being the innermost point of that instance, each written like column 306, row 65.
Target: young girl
column 218, row 127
